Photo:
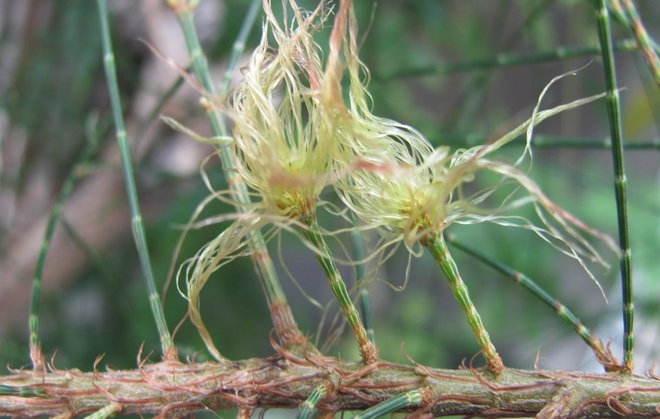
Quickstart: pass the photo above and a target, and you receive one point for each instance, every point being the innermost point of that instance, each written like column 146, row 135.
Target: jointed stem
column 20, row 391
column 169, row 352
column 438, row 248
column 526, row 282
column 108, row 411
column 549, row 141
column 410, row 398
column 313, row 234
column 545, row 141
column 36, row 355
column 613, row 109
column 285, row 325
column 627, row 13
column 308, row 408
column 365, row 305
column 506, row 60
column 239, row 46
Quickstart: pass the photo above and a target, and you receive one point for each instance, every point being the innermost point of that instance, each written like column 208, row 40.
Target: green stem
column 365, row 304
column 20, row 391
column 438, row 248
column 308, row 408
column 613, row 108
column 506, row 60
column 410, row 398
column 324, row 256
column 540, row 140
column 547, row 141
column 36, row 355
column 529, row 284
column 285, row 325
column 239, row 46
column 136, row 217
column 627, row 14
column 106, row 412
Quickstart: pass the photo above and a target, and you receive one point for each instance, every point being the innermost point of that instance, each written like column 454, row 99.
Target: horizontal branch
column 175, row 389
column 503, row 60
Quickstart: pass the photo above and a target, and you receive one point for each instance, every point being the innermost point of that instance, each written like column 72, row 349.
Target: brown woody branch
column 284, row 381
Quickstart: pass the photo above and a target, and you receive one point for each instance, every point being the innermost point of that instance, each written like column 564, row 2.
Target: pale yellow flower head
column 295, row 130
column 283, row 127
column 293, row 134
column 413, row 191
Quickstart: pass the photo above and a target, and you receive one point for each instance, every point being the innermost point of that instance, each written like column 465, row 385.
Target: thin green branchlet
column 107, row 412
column 411, row 398
column 167, row 346
column 413, row 192
column 308, row 408
column 438, row 249
column 504, row 60
column 546, row 141
column 626, row 12
column 36, row 354
column 338, row 287
column 361, row 278
column 616, row 133
column 20, row 391
column 602, row 353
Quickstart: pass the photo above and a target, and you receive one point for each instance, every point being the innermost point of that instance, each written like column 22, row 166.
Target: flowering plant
column 296, row 132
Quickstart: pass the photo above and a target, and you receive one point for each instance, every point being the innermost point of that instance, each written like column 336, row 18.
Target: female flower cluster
column 296, row 132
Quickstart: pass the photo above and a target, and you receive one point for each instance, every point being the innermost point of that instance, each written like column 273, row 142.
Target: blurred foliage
column 54, row 82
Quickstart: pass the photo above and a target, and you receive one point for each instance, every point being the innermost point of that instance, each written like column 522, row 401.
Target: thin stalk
column 107, row 412
column 506, row 60
column 158, row 106
column 36, row 356
column 627, row 13
column 617, row 13
column 20, row 391
column 308, row 408
column 285, row 325
column 169, row 352
column 613, row 109
column 239, row 46
column 410, row 398
column 313, row 234
column 438, row 248
column 365, row 303
column 529, row 284
column 549, row 141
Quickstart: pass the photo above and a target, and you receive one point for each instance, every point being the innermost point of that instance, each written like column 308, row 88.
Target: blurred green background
column 53, row 102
